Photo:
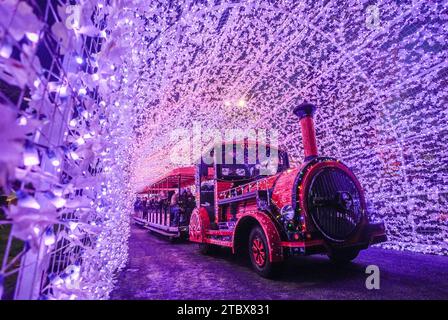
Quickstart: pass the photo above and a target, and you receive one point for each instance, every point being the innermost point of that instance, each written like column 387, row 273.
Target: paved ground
column 160, row 270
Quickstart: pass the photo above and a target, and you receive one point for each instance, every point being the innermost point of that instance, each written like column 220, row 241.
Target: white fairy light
column 49, row 238
column 55, row 162
column 80, row 141
column 36, row 231
column 30, row 156
column 73, row 123
column 63, row 91
column 72, row 225
column 33, row 37
column 74, row 155
column 241, row 103
column 82, row 91
column 22, row 121
column 5, row 50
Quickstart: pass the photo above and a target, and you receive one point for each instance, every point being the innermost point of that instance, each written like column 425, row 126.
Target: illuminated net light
column 377, row 72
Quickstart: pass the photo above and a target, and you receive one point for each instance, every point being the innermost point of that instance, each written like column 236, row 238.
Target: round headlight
column 287, row 212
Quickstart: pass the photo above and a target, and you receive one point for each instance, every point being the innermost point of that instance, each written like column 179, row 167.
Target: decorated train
column 316, row 208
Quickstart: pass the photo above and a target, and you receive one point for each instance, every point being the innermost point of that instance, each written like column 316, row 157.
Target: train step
column 228, row 225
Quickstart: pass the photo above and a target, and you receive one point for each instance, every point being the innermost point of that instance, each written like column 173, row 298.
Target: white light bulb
column 241, row 103
column 5, row 50
column 33, row 37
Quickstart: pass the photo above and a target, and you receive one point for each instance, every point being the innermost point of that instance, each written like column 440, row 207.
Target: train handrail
column 244, row 188
column 159, row 210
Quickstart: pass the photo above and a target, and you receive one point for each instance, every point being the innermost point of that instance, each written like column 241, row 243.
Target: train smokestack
column 305, row 112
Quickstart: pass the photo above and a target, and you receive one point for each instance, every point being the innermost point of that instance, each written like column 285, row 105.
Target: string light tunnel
column 92, row 90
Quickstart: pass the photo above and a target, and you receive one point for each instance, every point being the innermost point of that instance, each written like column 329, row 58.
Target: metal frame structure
column 35, row 268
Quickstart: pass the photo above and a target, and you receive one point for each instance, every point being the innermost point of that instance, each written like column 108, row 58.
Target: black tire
column 205, row 248
column 184, row 236
column 258, row 251
column 343, row 256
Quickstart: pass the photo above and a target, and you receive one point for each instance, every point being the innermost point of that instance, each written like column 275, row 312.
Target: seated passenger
column 175, row 209
column 145, row 208
column 189, row 203
column 137, row 205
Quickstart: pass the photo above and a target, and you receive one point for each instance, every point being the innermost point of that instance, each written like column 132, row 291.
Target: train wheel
column 259, row 253
column 343, row 256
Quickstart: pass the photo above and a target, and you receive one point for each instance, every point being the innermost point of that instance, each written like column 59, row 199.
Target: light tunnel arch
column 377, row 97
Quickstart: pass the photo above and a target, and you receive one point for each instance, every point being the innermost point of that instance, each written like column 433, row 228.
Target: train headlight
column 287, row 212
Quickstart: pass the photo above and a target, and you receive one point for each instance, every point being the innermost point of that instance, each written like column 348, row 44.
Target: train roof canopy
column 176, row 178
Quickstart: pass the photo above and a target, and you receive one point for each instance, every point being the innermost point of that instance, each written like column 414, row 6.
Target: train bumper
column 372, row 233
column 303, row 247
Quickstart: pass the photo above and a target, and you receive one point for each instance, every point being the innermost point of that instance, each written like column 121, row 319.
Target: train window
column 207, row 198
column 244, row 162
column 249, row 171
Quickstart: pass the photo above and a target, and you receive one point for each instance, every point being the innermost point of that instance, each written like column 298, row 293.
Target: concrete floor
column 158, row 269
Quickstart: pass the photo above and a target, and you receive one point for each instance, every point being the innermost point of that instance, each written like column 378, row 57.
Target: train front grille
column 334, row 203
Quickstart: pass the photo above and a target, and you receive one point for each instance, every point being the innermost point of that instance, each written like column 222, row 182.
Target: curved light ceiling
column 376, row 70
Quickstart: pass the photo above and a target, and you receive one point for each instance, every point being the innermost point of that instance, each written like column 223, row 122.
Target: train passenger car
column 157, row 214
column 316, row 208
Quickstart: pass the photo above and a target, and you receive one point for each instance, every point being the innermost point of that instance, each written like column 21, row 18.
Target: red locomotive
column 316, row 208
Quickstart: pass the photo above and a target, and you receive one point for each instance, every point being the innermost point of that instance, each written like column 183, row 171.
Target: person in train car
column 136, row 205
column 145, row 208
column 155, row 202
column 160, row 203
column 151, row 204
column 181, row 205
column 166, row 203
column 189, row 202
column 174, row 207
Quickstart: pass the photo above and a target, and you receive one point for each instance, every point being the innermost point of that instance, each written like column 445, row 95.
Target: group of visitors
column 179, row 206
